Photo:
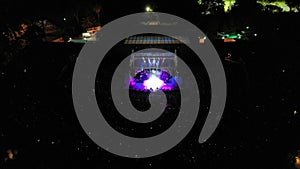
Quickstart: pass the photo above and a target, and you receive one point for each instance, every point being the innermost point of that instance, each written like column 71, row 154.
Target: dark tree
column 247, row 7
column 293, row 4
column 97, row 10
column 34, row 34
column 273, row 8
column 212, row 7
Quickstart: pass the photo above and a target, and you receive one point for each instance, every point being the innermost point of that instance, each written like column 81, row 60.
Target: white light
column 153, row 83
column 65, row 19
column 255, row 34
column 148, row 9
column 86, row 35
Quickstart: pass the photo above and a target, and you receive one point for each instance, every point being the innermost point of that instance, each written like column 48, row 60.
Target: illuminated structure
column 152, row 71
column 245, row 34
column 153, row 61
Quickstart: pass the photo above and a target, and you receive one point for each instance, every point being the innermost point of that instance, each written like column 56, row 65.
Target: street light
column 148, row 9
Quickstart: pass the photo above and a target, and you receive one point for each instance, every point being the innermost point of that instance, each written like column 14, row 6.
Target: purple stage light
column 153, row 80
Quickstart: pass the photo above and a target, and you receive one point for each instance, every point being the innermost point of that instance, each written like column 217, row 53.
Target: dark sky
column 110, row 7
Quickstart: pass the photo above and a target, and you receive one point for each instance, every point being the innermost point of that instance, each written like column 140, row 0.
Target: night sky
column 259, row 129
